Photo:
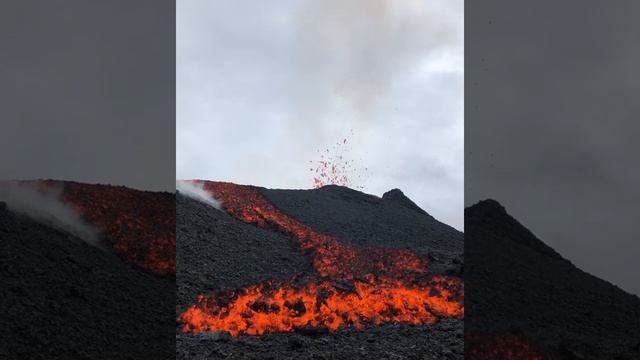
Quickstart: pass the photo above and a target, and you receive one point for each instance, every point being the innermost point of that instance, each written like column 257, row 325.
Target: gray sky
column 263, row 86
column 552, row 125
column 88, row 91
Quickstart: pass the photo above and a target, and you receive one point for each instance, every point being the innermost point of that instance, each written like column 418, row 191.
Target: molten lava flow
column 331, row 258
column 480, row 346
column 265, row 308
column 359, row 286
column 139, row 224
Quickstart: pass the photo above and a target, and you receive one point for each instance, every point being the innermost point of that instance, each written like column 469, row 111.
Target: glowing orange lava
column 139, row 224
column 330, row 256
column 358, row 286
column 263, row 308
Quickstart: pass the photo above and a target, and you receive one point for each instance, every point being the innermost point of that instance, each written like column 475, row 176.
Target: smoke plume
column 45, row 205
column 196, row 191
column 302, row 74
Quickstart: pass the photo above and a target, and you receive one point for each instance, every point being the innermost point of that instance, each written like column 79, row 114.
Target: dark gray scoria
column 217, row 251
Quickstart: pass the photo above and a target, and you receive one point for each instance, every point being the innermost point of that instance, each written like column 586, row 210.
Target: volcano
column 525, row 301
column 64, row 298
column 138, row 225
column 327, row 273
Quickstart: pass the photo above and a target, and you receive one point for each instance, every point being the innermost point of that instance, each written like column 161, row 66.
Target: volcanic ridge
column 325, row 273
column 525, row 301
column 64, row 298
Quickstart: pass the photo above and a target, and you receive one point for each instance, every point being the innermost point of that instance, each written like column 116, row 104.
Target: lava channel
column 139, row 225
column 357, row 286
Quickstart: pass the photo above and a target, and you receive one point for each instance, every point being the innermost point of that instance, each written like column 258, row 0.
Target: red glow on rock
column 358, row 286
column 140, row 225
column 481, row 346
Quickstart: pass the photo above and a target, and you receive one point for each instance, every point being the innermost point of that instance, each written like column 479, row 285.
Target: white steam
column 196, row 191
column 45, row 205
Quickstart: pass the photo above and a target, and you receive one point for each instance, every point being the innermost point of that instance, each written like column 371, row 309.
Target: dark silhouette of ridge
column 398, row 196
column 516, row 284
column 495, row 217
column 364, row 219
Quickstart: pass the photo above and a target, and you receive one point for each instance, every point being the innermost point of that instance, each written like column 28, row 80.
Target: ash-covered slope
column 216, row 250
column 515, row 284
column 392, row 221
column 138, row 225
column 65, row 299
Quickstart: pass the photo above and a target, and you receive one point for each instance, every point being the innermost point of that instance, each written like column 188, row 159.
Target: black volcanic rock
column 515, row 283
column 441, row 341
column 62, row 298
column 398, row 196
column 393, row 221
column 216, row 251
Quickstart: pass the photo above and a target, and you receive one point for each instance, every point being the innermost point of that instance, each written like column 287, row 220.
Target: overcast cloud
column 552, row 129
column 88, row 91
column 263, row 86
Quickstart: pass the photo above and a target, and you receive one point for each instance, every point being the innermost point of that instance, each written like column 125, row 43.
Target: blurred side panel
column 551, row 139
column 87, row 171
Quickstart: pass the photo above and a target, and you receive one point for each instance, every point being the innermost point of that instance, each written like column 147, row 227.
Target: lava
column 140, row 225
column 327, row 172
column 357, row 286
column 334, row 168
column 265, row 308
column 330, row 256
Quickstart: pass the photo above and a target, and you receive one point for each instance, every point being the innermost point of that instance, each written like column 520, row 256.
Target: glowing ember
column 264, row 308
column 139, row 224
column 502, row 347
column 333, row 168
column 359, row 286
